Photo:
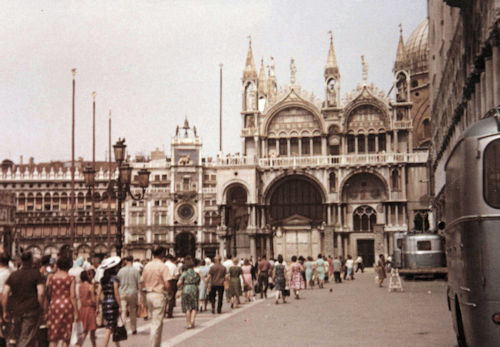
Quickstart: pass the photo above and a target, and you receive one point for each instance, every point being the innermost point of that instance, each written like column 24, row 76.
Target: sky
column 153, row 63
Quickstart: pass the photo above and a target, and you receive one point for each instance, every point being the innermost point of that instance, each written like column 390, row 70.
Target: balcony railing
column 330, row 160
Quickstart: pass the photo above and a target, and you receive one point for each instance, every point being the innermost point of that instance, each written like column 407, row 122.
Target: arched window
column 333, row 182
column 364, row 218
column 351, row 147
column 395, row 179
column 361, row 143
column 421, row 221
column 427, row 128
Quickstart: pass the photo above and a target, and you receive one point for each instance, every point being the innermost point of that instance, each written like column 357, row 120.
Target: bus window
column 491, row 178
column 423, row 245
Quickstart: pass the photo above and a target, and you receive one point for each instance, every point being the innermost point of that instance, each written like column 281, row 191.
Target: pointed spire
column 262, row 79
column 400, row 55
column 331, row 64
column 250, row 72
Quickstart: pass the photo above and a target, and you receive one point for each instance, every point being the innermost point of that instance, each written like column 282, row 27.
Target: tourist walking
column 246, row 270
column 359, row 264
column 87, row 312
column 310, row 268
column 174, row 273
column 22, row 302
column 189, row 282
column 350, row 267
column 380, row 269
column 216, row 276
column 320, row 270
column 203, row 271
column 263, row 271
column 129, row 288
column 63, row 309
column 296, row 280
column 111, row 303
column 337, row 269
column 280, row 279
column 156, row 280
column 234, row 291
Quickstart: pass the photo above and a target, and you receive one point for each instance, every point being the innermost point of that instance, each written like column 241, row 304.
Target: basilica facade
column 331, row 175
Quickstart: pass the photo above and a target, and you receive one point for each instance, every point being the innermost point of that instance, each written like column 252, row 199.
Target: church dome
column 417, row 49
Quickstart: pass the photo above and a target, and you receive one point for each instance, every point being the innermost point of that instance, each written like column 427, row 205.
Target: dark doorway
column 366, row 249
column 185, row 244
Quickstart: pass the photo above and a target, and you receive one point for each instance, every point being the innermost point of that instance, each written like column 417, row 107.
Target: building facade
column 43, row 208
column 464, row 58
column 315, row 175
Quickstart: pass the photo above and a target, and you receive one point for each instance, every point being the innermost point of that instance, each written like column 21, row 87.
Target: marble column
column 300, row 146
column 253, row 250
column 376, row 143
column 311, row 147
column 356, row 144
column 288, row 147
column 496, row 75
column 323, row 146
column 340, row 250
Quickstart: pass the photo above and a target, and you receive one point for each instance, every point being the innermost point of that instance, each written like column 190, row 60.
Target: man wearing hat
column 155, row 279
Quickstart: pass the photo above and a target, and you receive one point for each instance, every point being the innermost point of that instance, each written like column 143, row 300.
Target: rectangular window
column 423, row 245
column 491, row 174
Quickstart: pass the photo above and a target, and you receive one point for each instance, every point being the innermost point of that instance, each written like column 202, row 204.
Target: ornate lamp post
column 120, row 187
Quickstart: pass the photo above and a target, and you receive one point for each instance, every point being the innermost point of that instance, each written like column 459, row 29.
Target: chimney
column 21, row 160
column 32, row 161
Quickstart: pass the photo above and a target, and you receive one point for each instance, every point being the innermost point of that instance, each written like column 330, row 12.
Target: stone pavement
column 354, row 313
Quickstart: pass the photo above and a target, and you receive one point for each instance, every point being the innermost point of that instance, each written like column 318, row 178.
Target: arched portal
column 295, row 195
column 185, row 244
column 237, row 216
column 296, row 213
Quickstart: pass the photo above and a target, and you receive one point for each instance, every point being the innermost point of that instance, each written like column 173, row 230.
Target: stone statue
column 194, row 131
column 272, row 73
column 293, row 71
column 402, row 88
column 364, row 65
column 177, row 131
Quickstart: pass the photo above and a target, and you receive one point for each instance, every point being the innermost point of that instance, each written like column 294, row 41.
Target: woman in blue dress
column 310, row 266
column 320, row 269
column 203, row 271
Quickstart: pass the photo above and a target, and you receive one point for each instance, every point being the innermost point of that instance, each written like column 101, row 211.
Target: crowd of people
column 42, row 298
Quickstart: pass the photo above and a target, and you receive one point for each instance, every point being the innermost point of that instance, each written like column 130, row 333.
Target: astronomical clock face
column 185, row 213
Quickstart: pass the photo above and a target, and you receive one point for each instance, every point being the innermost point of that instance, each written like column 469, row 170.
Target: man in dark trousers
column 264, row 270
column 216, row 276
column 172, row 268
column 23, row 301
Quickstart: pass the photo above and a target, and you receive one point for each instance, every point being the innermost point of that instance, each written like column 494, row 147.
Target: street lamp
column 120, row 187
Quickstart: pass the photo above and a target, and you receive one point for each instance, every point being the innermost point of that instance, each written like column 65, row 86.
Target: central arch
column 295, row 210
column 295, row 195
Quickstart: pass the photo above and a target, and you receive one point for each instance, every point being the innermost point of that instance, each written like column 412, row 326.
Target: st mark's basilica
column 333, row 175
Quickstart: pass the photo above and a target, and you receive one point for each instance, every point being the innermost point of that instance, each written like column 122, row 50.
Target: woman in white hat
column 111, row 306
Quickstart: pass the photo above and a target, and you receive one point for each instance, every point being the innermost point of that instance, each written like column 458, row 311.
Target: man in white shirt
column 172, row 269
column 359, row 264
column 4, row 274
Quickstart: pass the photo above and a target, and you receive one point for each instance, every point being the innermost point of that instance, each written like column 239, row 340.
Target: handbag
column 286, row 292
column 256, row 288
column 119, row 332
column 76, row 333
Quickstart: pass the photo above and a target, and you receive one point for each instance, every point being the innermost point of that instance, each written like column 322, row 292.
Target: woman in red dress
column 63, row 309
column 88, row 308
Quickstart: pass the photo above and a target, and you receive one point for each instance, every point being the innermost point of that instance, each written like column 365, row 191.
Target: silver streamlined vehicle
column 472, row 215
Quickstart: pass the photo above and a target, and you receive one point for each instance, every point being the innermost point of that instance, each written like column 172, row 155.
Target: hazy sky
column 155, row 62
